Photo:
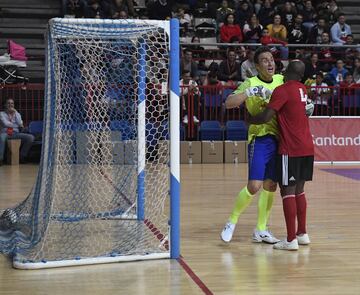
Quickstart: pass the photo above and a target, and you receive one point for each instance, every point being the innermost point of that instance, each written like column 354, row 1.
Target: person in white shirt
column 248, row 68
column 320, row 93
column 11, row 126
column 189, row 92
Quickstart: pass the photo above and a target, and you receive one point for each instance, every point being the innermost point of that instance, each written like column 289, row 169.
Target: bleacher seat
column 236, row 130
column 210, row 130
column 36, row 129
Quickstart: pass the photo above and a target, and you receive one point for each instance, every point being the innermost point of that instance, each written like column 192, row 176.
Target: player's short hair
column 259, row 51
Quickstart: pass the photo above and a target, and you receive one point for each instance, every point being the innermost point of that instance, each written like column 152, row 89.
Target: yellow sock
column 264, row 208
column 242, row 201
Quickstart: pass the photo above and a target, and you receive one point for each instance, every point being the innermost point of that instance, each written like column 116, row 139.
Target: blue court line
column 352, row 173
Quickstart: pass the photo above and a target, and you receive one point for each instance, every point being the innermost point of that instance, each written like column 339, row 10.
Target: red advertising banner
column 336, row 139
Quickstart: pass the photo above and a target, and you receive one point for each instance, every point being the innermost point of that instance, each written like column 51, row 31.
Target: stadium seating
column 236, row 130
column 210, row 130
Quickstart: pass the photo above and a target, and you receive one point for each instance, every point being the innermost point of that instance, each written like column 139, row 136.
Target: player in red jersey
column 295, row 154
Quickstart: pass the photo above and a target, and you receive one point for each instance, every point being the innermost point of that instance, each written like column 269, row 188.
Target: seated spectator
column 159, row 9
column 309, row 15
column 356, row 73
column 75, row 8
column 243, row 13
column 347, row 83
column 97, row 9
column 229, row 69
column 252, row 30
column 188, row 64
column 266, row 39
column 288, row 13
column 317, row 30
column 11, row 127
column 199, row 54
column 338, row 73
column 117, row 6
column 312, row 66
column 266, row 13
column 184, row 19
column 297, row 35
column 189, row 86
column 340, row 30
column 326, row 54
column 248, row 68
column 230, row 31
column 328, row 10
column 277, row 30
column 320, row 94
column 222, row 12
column 350, row 53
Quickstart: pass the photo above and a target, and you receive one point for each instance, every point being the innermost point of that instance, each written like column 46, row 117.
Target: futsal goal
column 108, row 184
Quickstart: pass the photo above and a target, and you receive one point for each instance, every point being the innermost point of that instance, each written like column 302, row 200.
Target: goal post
column 108, row 186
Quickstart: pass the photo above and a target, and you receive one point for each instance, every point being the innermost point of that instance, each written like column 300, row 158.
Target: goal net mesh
column 103, row 184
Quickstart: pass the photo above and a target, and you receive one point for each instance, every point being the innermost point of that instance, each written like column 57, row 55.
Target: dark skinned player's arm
column 261, row 118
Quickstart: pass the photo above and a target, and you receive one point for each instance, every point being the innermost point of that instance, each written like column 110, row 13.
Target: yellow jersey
column 256, row 104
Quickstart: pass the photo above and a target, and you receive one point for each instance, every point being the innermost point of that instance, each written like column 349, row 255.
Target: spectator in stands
column 309, row 15
column 338, row 73
column 347, row 83
column 326, row 54
column 189, row 86
column 230, row 30
column 222, row 12
column 248, row 68
column 266, row 39
column 350, row 53
column 199, row 54
column 159, row 9
column 184, row 19
column 317, row 30
column 243, row 13
column 333, row 12
column 297, row 34
column 356, row 73
column 229, row 69
column 97, row 9
column 266, row 13
column 75, row 8
column 120, row 5
column 320, row 94
column 252, row 30
column 340, row 30
column 11, row 127
column 188, row 64
column 312, row 66
column 123, row 14
column 288, row 13
column 277, row 30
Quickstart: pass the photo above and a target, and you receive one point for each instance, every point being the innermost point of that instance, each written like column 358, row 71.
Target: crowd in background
column 276, row 23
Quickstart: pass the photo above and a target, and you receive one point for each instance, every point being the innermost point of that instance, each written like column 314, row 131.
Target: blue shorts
column 262, row 158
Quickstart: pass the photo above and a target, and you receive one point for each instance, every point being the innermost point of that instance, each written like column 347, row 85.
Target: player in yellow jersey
column 262, row 143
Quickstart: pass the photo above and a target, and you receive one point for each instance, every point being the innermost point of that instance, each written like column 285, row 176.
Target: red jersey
column 288, row 100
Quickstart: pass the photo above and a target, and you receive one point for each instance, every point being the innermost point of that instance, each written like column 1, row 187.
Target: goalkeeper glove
column 259, row 91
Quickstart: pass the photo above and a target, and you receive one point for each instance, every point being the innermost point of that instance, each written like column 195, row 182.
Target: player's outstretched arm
column 235, row 100
column 261, row 118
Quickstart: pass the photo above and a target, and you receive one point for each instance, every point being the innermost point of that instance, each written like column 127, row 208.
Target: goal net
column 103, row 189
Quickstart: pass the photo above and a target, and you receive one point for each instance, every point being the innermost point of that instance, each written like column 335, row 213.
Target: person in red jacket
column 230, row 31
column 266, row 39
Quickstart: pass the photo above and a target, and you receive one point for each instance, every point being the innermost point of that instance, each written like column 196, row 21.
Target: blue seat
column 210, row 130
column 36, row 129
column 236, row 130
